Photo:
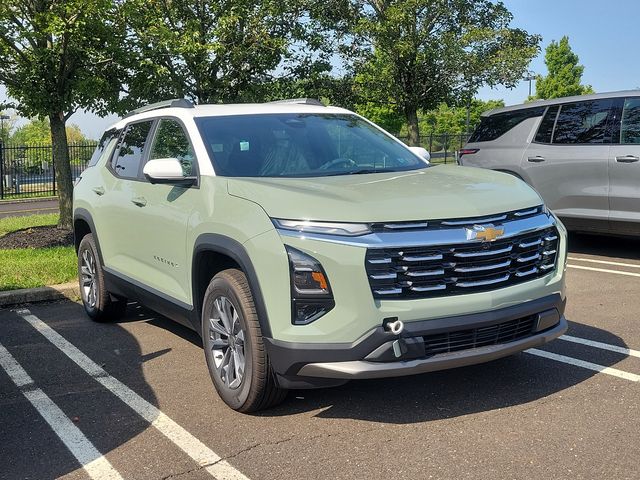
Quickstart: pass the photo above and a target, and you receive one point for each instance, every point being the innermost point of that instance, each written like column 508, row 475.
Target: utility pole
column 529, row 77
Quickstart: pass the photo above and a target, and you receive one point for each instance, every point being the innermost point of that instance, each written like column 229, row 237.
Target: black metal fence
column 27, row 171
column 443, row 147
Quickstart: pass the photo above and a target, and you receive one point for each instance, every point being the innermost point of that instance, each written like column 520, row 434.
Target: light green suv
column 309, row 247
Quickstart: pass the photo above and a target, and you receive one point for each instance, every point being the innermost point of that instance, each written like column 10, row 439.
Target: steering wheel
column 347, row 162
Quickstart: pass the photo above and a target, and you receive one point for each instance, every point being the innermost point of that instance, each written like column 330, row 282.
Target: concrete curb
column 69, row 291
column 26, row 200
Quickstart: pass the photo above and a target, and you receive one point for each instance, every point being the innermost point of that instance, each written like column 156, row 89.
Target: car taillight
column 466, row 151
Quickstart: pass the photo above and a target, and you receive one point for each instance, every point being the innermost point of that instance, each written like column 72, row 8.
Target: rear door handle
column 139, row 201
column 627, row 159
column 98, row 190
column 536, row 159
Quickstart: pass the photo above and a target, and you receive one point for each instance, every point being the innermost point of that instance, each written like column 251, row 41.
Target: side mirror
column 421, row 152
column 166, row 170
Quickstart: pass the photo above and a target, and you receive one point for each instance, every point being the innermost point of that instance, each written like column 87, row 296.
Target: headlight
column 327, row 228
column 311, row 295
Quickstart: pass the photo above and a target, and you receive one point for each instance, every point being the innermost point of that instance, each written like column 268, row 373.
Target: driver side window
column 171, row 141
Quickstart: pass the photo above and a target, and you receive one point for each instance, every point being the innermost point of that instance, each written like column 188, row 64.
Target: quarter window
column 171, row 141
column 584, row 122
column 630, row 125
column 127, row 163
column 104, row 147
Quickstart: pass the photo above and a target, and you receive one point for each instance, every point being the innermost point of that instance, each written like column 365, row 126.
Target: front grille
column 426, row 272
column 479, row 337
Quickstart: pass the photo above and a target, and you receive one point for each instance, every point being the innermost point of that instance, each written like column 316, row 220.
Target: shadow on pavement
column 515, row 380
column 604, row 245
column 103, row 418
column 519, row 379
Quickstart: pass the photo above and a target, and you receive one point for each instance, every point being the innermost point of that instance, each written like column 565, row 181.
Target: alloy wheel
column 88, row 277
column 227, row 342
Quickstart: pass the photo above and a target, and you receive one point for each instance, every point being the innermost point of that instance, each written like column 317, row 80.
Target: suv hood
column 439, row 192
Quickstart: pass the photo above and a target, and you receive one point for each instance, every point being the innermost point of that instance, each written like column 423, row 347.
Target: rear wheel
column 234, row 350
column 99, row 304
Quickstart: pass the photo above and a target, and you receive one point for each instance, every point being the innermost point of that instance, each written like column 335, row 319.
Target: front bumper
column 310, row 365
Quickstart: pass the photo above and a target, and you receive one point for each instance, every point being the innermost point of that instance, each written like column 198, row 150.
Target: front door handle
column 139, row 201
column 536, row 159
column 627, row 159
column 98, row 190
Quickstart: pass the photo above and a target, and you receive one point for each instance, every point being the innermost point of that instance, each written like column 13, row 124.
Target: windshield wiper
column 361, row 171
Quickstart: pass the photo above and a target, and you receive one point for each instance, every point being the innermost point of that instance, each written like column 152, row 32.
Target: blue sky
column 604, row 34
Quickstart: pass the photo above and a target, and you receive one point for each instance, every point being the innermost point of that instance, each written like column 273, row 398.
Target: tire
column 99, row 304
column 237, row 342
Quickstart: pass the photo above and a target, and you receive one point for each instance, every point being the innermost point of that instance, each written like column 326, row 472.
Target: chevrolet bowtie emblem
column 487, row 233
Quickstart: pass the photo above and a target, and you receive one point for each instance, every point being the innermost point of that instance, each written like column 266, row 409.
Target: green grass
column 11, row 224
column 31, row 267
column 34, row 267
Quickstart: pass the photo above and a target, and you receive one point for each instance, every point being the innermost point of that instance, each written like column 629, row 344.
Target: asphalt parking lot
column 134, row 400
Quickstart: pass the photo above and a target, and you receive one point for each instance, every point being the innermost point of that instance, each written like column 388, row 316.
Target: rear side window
column 126, row 163
column 545, row 130
column 584, row 122
column 497, row 125
column 630, row 124
column 104, row 147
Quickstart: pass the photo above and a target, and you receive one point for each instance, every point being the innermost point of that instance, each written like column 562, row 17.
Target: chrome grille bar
column 481, row 283
column 482, row 268
column 483, row 253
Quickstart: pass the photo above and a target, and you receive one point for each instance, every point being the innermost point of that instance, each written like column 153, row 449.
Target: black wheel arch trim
column 221, row 244
column 84, row 215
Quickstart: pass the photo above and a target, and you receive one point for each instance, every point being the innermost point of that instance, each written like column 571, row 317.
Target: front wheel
column 99, row 304
column 233, row 346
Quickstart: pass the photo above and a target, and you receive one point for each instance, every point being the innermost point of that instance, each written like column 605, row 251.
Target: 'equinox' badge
column 485, row 234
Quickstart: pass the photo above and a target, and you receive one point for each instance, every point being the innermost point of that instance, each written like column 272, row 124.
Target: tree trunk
column 63, row 169
column 411, row 114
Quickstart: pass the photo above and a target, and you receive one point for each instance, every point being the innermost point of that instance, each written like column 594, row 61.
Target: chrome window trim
column 426, row 238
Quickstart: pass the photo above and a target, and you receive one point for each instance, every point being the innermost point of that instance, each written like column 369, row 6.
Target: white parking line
column 604, row 262
column 603, row 346
column 189, row 444
column 604, row 270
column 588, row 365
column 94, row 463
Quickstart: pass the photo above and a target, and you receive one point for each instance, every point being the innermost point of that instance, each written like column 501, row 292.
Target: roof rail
column 173, row 103
column 305, row 101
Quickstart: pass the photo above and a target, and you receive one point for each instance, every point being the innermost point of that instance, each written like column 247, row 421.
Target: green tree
column 38, row 132
column 385, row 115
column 8, row 125
column 419, row 53
column 453, row 120
column 218, row 51
column 59, row 56
column 33, row 136
column 564, row 72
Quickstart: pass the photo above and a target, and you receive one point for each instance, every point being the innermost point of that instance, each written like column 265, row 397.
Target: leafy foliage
column 38, row 132
column 385, row 115
column 419, row 53
column 58, row 56
column 218, row 51
column 453, row 120
column 565, row 73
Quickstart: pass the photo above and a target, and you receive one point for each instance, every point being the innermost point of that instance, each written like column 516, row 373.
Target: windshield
column 301, row 145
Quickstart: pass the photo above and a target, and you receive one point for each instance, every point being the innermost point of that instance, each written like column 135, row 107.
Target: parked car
column 580, row 153
column 309, row 247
